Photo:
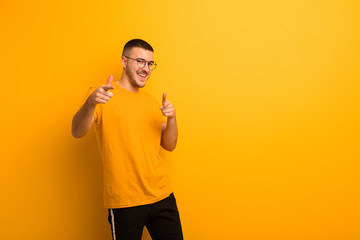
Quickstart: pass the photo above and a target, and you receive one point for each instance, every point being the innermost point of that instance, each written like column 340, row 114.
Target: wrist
column 172, row 118
column 90, row 103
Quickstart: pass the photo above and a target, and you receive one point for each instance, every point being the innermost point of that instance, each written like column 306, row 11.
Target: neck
column 124, row 82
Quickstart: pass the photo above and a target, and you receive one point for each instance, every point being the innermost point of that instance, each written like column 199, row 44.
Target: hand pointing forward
column 167, row 108
column 102, row 94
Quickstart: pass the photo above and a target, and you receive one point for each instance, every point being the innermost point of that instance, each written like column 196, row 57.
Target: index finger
column 107, row 87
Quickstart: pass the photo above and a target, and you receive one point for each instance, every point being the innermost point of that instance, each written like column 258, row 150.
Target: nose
column 146, row 67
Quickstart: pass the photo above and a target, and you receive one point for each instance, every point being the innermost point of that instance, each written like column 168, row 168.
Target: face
column 137, row 76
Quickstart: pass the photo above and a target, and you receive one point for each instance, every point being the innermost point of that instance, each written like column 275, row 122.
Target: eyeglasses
column 142, row 63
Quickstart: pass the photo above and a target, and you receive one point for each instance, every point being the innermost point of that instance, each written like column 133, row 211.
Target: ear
column 123, row 61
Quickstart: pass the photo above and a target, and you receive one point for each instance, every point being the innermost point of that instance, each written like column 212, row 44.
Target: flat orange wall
column 267, row 99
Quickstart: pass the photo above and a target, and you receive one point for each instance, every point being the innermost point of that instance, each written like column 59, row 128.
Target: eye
column 151, row 64
column 142, row 61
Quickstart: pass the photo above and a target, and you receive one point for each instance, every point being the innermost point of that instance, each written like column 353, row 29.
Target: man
column 130, row 129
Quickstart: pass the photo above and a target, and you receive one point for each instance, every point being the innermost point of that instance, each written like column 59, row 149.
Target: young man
column 130, row 128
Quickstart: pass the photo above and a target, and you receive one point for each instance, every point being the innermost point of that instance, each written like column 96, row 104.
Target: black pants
column 161, row 219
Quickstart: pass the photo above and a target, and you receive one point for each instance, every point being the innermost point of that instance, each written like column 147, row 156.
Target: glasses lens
column 152, row 66
column 141, row 63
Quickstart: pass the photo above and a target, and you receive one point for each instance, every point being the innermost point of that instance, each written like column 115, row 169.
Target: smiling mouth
column 142, row 75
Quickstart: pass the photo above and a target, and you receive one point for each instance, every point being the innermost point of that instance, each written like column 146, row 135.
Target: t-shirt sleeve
column 97, row 108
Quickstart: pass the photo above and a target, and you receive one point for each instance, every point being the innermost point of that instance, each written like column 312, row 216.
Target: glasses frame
column 154, row 64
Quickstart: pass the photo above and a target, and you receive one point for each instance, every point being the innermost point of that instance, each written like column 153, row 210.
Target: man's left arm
column 169, row 131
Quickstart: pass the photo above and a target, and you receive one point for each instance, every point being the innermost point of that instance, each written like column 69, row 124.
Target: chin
column 140, row 84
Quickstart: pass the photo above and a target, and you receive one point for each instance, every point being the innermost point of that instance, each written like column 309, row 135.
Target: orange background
column 267, row 101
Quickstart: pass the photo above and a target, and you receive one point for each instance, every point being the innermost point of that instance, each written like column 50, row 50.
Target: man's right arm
column 84, row 118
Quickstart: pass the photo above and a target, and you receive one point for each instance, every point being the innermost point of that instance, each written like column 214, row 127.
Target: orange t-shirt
column 128, row 129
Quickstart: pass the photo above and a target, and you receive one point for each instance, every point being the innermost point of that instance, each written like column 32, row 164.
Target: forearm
column 169, row 138
column 83, row 120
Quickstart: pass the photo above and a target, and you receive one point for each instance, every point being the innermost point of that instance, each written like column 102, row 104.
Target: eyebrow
column 144, row 60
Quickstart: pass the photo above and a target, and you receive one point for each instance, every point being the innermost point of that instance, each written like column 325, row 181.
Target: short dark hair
column 136, row 43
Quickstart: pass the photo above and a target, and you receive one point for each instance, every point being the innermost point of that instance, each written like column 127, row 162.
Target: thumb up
column 109, row 81
column 167, row 108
